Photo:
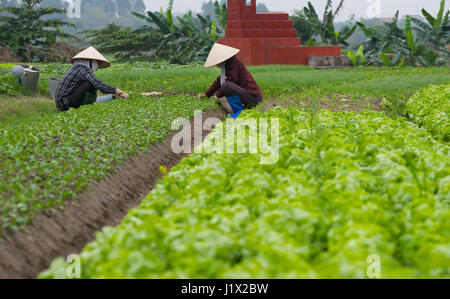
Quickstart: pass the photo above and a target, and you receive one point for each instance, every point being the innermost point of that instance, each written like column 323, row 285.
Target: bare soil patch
column 333, row 103
column 15, row 109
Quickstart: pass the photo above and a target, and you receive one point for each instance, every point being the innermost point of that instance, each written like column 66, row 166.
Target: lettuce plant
column 430, row 108
column 346, row 187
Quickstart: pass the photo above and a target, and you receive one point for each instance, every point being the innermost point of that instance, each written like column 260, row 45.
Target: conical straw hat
column 92, row 53
column 220, row 53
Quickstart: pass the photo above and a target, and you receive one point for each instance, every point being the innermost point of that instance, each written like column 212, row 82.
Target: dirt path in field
column 63, row 233
column 337, row 104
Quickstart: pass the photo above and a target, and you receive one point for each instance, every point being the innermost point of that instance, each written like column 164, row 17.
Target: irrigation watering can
column 28, row 76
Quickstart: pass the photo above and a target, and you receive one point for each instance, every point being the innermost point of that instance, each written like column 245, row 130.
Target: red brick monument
column 267, row 38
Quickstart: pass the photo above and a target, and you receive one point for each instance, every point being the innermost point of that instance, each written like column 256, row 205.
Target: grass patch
column 296, row 83
column 14, row 110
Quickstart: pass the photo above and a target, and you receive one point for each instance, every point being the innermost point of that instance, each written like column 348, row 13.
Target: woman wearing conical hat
column 234, row 79
column 79, row 86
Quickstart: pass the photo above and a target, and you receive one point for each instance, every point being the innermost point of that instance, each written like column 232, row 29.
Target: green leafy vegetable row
column 430, row 108
column 49, row 160
column 275, row 81
column 346, row 186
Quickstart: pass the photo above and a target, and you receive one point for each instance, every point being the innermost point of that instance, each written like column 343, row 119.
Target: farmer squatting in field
column 79, row 86
column 234, row 80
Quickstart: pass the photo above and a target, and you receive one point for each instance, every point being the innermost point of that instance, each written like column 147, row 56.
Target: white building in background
column 74, row 9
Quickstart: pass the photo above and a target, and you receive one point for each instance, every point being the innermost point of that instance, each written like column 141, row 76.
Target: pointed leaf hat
column 220, row 53
column 92, row 53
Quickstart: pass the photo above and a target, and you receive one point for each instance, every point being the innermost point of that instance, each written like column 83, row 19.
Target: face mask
column 94, row 65
column 223, row 75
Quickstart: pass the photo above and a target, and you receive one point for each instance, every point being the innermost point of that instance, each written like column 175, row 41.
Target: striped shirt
column 74, row 77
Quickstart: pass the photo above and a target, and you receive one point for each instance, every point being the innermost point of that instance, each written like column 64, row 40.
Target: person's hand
column 201, row 96
column 215, row 97
column 121, row 94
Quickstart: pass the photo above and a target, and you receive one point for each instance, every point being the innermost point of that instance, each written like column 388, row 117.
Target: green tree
column 436, row 31
column 325, row 27
column 358, row 38
column 221, row 14
column 416, row 52
column 383, row 41
column 341, row 37
column 28, row 32
column 180, row 40
column 217, row 11
column 303, row 25
column 388, row 44
column 124, row 42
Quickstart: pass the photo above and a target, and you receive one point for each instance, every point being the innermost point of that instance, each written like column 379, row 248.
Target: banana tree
column 357, row 58
column 197, row 37
column 162, row 28
column 388, row 44
column 437, row 31
column 418, row 53
column 221, row 13
column 408, row 49
column 181, row 40
column 124, row 42
column 341, row 37
column 323, row 27
column 375, row 44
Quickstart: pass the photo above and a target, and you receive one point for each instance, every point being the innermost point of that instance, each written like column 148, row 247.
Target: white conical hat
column 92, row 53
column 220, row 53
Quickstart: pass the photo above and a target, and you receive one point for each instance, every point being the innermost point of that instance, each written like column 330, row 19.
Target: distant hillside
column 95, row 14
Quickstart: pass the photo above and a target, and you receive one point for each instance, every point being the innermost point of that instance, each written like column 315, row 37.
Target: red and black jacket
column 237, row 73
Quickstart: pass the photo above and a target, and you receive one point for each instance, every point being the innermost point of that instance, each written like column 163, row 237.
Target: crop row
column 346, row 187
column 274, row 80
column 48, row 160
column 430, row 108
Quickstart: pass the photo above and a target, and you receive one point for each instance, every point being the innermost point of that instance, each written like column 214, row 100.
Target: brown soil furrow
column 61, row 233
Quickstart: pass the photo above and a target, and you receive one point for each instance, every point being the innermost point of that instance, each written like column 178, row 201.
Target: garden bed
column 61, row 233
column 346, row 187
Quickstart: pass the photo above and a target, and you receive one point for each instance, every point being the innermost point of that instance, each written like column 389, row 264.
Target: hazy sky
column 361, row 8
